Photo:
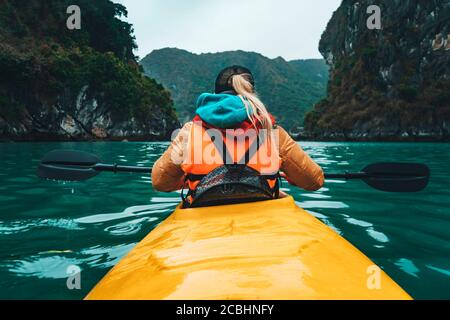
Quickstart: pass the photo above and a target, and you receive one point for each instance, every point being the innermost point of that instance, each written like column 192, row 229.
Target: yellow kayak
column 261, row 250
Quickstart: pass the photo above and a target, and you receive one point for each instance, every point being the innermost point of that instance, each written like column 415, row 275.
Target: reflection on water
column 47, row 226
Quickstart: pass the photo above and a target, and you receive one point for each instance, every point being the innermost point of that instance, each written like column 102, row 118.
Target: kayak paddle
column 391, row 176
column 70, row 165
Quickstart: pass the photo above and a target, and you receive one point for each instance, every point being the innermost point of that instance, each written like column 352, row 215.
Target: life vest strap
column 225, row 153
column 253, row 149
column 221, row 147
column 185, row 198
column 198, row 177
column 195, row 177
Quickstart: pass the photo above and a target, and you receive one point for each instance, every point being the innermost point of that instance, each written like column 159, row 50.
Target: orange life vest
column 209, row 148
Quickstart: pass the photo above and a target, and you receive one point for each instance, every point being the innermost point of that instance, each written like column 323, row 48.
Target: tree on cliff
column 46, row 68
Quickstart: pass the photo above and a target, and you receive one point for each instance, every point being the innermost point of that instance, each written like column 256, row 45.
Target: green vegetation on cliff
column 386, row 84
column 44, row 67
column 289, row 89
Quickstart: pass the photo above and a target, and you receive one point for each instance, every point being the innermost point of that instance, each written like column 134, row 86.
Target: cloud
column 287, row 28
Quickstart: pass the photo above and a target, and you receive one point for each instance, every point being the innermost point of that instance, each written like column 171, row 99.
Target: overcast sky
column 287, row 28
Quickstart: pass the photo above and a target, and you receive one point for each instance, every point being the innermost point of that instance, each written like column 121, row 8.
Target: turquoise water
column 47, row 226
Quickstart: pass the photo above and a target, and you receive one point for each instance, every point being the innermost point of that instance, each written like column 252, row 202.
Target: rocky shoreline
column 431, row 139
column 83, row 118
column 421, row 136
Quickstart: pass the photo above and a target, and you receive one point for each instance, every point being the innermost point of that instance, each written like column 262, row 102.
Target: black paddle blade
column 65, row 173
column 70, row 157
column 397, row 177
column 68, row 165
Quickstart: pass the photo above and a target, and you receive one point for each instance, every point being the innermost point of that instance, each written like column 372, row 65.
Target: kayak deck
column 261, row 250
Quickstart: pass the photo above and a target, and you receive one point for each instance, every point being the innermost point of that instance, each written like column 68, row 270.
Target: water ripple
column 127, row 213
column 19, row 226
column 128, row 227
column 408, row 266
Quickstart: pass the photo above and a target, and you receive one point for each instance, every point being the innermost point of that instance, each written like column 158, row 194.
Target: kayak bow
column 261, row 250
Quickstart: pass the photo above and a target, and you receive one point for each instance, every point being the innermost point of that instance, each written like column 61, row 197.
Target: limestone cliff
column 387, row 84
column 61, row 84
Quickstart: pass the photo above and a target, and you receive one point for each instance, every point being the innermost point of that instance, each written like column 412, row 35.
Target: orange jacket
column 168, row 176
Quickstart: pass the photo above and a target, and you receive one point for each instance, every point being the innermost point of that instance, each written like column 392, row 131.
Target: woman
column 234, row 106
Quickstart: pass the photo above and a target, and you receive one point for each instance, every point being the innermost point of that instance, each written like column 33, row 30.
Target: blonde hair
column 256, row 110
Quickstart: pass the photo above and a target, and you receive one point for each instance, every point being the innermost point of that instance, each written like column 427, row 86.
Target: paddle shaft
column 363, row 175
column 69, row 165
column 117, row 168
column 347, row 175
column 133, row 169
column 100, row 167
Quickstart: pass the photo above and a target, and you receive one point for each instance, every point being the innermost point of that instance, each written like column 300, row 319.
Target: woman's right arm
column 167, row 175
column 297, row 165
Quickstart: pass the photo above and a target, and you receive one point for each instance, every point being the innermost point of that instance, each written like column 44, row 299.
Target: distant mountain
column 288, row 88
